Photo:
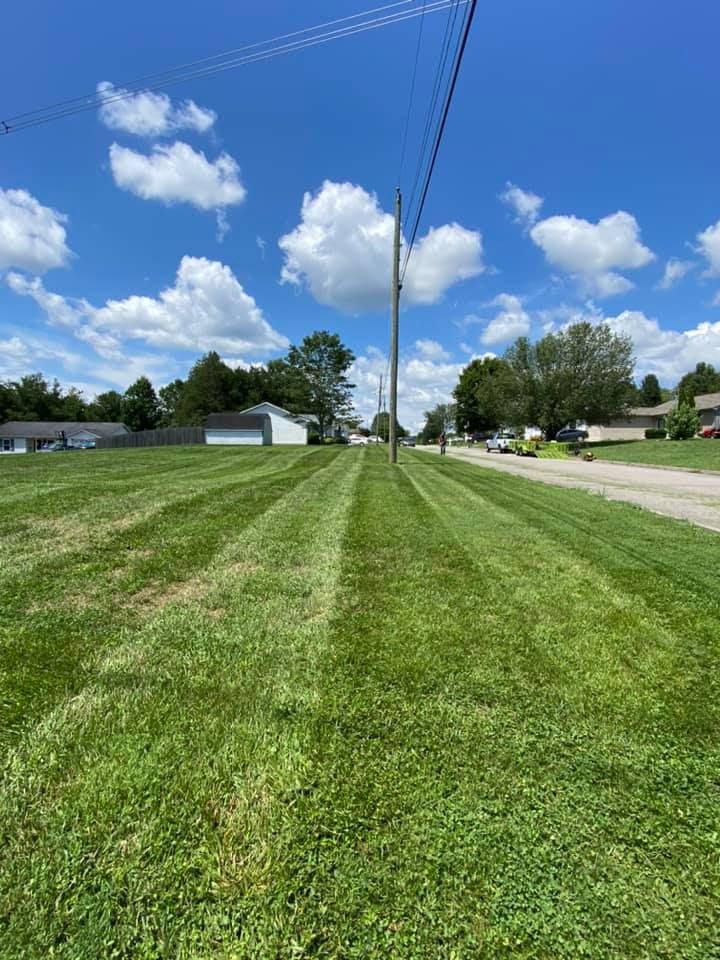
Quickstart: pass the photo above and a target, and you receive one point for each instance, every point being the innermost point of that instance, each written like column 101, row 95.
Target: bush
column 682, row 423
column 314, row 438
column 653, row 434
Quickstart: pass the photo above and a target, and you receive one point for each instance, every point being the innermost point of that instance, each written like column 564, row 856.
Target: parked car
column 53, row 447
column 407, row 441
column 571, row 435
column 357, row 440
column 500, row 442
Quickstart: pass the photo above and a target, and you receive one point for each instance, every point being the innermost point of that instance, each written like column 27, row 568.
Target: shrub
column 682, row 423
column 314, row 438
column 653, row 433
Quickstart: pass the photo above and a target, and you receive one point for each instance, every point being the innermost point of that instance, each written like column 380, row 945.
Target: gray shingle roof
column 703, row 401
column 236, row 421
column 47, row 429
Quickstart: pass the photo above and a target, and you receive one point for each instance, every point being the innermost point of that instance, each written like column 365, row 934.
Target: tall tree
column 650, row 392
column 208, row 389
column 582, row 374
column 380, row 426
column 438, row 420
column 170, row 398
column 703, row 379
column 482, row 394
column 141, row 410
column 107, row 407
column 322, row 361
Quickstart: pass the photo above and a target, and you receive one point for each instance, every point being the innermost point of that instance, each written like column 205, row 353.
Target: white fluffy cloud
column 206, row 309
column 32, row 237
column 148, row 114
column 592, row 252
column 668, row 353
column 431, row 350
column 422, row 384
column 178, row 174
column 675, row 270
column 342, row 251
column 709, row 247
column 511, row 322
column 525, row 204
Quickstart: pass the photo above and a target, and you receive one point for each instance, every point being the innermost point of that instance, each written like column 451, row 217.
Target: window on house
column 8, row 444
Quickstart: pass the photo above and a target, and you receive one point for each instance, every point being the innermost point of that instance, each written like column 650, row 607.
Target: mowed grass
column 696, row 454
column 297, row 703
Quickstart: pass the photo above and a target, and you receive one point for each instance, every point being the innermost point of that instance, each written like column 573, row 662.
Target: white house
column 28, row 436
column 232, row 429
column 286, row 427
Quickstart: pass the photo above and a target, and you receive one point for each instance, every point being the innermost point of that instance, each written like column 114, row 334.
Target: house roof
column 45, row 429
column 236, row 421
column 703, row 401
column 266, row 403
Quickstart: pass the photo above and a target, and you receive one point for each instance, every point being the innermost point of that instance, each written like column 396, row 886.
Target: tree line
column 582, row 374
column 311, row 379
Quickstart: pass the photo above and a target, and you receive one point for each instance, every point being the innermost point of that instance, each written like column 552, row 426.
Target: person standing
column 442, row 440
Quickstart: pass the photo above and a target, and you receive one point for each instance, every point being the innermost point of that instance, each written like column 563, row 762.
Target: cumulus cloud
column 525, row 204
column 20, row 355
column 675, row 270
column 709, row 247
column 32, row 237
column 342, row 252
column 148, row 114
column 431, row 350
column 178, row 174
column 206, row 309
column 667, row 353
column 510, row 323
column 422, row 384
column 592, row 252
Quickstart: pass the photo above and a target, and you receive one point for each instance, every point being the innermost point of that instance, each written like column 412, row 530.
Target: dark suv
column 571, row 434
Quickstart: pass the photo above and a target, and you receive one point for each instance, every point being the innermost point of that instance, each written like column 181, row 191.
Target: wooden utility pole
column 377, row 419
column 396, row 286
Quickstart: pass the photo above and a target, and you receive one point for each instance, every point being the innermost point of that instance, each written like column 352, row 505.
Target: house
column 238, row 428
column 286, row 427
column 28, row 436
column 640, row 419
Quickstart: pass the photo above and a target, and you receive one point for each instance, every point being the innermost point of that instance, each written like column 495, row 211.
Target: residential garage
column 286, row 426
column 238, row 429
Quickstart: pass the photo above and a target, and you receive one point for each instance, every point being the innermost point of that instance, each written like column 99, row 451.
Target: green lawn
column 296, row 703
column 698, row 454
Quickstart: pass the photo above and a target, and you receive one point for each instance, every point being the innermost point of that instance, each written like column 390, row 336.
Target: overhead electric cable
column 440, row 131
column 412, row 93
column 97, row 100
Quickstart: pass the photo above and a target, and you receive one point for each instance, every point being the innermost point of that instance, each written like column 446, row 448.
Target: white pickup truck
column 500, row 442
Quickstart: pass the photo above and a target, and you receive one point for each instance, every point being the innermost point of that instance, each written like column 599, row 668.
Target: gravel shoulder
column 681, row 494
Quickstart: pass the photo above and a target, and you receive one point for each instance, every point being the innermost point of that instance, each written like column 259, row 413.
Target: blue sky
column 578, row 178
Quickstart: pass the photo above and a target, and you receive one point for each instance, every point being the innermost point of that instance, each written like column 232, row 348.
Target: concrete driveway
column 683, row 494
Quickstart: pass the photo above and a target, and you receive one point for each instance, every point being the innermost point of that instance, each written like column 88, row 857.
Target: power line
column 96, row 100
column 439, row 73
column 440, row 130
column 412, row 93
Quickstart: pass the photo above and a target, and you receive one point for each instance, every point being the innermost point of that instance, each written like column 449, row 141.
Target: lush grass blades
column 299, row 703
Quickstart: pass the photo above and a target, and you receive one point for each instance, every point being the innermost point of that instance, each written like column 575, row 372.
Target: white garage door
column 229, row 437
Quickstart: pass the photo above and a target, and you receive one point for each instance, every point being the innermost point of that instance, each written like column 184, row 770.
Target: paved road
column 681, row 494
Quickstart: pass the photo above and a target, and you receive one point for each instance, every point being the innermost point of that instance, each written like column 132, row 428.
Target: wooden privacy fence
column 154, row 438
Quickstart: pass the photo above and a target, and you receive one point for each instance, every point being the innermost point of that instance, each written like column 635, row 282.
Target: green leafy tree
column 482, row 395
column 107, row 407
column 34, row 398
column 170, row 399
column 650, row 392
column 380, row 426
column 208, row 389
column 439, row 420
column 74, row 406
column 322, row 361
column 703, row 379
column 582, row 374
column 141, row 410
column 682, row 423
column 278, row 382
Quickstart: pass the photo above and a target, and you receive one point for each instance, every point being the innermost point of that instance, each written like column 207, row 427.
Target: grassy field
column 295, row 703
column 696, row 454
